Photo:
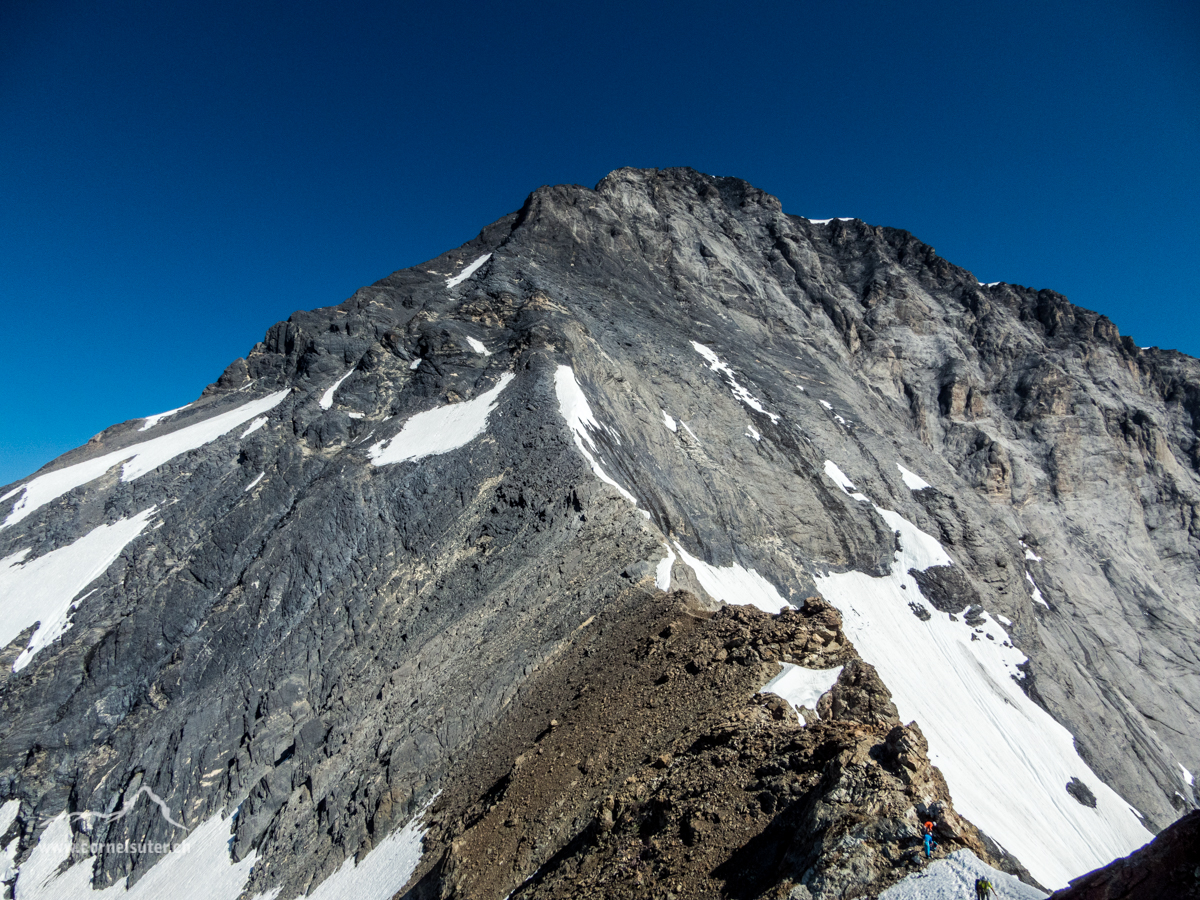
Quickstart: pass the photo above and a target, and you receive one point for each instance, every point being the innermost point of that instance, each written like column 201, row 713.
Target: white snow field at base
column 199, row 868
column 714, row 363
column 153, row 420
column 326, row 401
column 912, row 480
column 801, row 687
column 662, row 572
column 734, row 585
column 467, row 272
column 439, row 430
column 42, row 590
column 574, row 408
column 382, row 873
column 8, row 812
column 953, row 878
column 140, row 458
column 1006, row 760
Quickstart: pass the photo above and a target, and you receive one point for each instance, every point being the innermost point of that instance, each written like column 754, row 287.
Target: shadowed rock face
column 326, row 643
column 1167, row 867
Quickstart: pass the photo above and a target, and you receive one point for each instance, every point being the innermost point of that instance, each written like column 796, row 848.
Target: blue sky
column 176, row 177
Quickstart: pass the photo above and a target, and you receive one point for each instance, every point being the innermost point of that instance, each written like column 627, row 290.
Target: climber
column 929, row 844
column 983, row 889
column 929, row 828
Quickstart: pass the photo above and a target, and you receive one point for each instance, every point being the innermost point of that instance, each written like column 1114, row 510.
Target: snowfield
column 1006, row 760
column 735, row 585
column 714, row 363
column 140, row 458
column 575, row 410
column 466, row 273
column 953, row 878
column 200, row 868
column 43, row 589
column 801, row 687
column 439, row 430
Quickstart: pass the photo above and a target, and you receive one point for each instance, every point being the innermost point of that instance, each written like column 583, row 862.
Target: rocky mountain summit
column 654, row 543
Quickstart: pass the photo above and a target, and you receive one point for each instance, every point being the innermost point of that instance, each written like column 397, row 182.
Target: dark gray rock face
column 321, row 644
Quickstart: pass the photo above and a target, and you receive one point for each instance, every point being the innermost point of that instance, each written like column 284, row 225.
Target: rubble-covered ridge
column 643, row 762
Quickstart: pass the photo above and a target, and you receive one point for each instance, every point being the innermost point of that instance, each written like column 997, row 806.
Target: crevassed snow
column 254, row 426
column 913, row 481
column 714, row 363
column 953, row 878
column 8, row 812
column 151, row 421
column 326, row 400
column 477, row 346
column 662, row 572
column 669, row 422
column 1037, row 594
column 142, row 458
column 42, row 590
column 381, row 873
column 439, row 430
column 252, row 485
column 198, row 868
column 735, row 585
column 467, row 272
column 573, row 406
column 1006, row 760
column 839, row 478
column 801, row 687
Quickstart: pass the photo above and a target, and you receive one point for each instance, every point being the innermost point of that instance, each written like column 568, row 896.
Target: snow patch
column 467, row 272
column 1029, row 554
column 326, row 400
column 1188, row 778
column 254, row 426
column 383, row 872
column 199, row 868
column 826, row 404
column 662, row 572
column 735, row 585
column 669, row 422
column 1004, row 620
column 689, row 431
column 439, row 430
column 834, row 219
column 477, row 346
column 914, row 481
column 838, row 477
column 574, row 408
column 752, row 432
column 153, row 420
column 414, row 365
column 142, row 458
column 8, row 813
column 1037, row 594
column 714, row 363
column 356, row 415
column 953, row 878
column 1005, row 759
column 42, row 590
column 252, row 485
column 801, row 687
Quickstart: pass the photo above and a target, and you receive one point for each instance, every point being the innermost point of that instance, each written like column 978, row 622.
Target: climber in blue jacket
column 929, row 844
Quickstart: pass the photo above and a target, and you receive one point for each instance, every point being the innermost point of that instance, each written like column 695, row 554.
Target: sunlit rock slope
column 313, row 595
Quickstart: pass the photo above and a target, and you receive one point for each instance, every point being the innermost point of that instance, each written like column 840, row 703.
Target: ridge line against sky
column 176, row 179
